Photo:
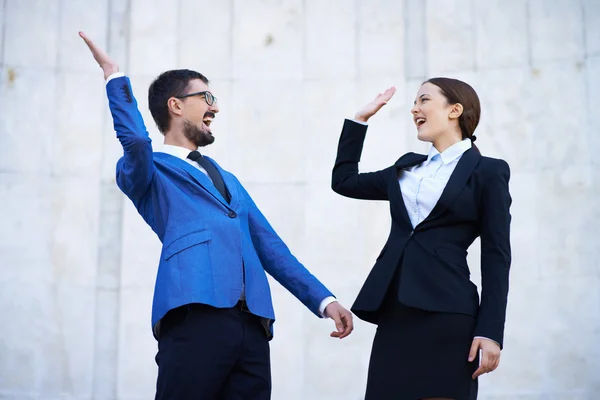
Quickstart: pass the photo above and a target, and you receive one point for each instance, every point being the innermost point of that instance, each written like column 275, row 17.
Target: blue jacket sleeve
column 135, row 169
column 280, row 263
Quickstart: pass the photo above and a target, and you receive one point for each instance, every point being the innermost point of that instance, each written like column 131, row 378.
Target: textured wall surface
column 77, row 264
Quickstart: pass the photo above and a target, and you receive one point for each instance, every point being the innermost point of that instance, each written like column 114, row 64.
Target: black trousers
column 207, row 353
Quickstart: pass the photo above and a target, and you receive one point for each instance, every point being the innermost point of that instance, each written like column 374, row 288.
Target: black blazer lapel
column 410, row 160
column 195, row 173
column 461, row 174
column 406, row 161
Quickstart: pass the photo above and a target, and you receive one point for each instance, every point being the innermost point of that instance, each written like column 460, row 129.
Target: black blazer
column 435, row 274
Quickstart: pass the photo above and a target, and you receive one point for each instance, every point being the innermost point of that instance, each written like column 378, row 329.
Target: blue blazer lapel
column 461, row 174
column 195, row 173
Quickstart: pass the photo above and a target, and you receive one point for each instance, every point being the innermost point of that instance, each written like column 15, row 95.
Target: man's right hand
column 104, row 61
column 342, row 319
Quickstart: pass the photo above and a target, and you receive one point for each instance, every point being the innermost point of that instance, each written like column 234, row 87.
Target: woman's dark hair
column 169, row 84
column 455, row 92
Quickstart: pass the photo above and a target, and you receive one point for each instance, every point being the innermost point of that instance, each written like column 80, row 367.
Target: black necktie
column 213, row 173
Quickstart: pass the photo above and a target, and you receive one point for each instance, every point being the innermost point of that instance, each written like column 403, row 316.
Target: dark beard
column 200, row 137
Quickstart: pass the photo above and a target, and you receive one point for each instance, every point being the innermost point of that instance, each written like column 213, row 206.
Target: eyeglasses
column 208, row 97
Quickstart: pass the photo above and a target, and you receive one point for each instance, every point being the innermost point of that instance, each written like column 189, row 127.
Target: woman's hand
column 490, row 357
column 370, row 109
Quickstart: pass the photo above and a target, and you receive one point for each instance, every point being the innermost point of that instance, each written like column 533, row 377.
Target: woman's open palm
column 371, row 109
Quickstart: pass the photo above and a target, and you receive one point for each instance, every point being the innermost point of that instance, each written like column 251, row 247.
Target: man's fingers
column 348, row 325
column 343, row 324
column 104, row 61
column 350, row 322
column 100, row 56
column 339, row 325
column 342, row 319
column 85, row 38
column 89, row 43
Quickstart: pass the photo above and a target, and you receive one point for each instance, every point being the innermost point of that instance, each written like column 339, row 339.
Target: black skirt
column 419, row 354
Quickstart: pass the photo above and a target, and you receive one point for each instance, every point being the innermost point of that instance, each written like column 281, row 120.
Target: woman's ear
column 456, row 111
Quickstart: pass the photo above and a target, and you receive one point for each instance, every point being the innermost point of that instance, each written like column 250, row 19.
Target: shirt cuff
column 359, row 122
column 115, row 75
column 326, row 301
column 482, row 337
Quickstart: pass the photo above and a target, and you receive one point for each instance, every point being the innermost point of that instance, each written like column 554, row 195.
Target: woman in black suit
column 434, row 336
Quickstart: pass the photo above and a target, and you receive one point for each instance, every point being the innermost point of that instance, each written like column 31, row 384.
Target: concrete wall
column 77, row 264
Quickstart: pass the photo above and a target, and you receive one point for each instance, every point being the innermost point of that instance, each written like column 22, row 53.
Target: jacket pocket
column 185, row 242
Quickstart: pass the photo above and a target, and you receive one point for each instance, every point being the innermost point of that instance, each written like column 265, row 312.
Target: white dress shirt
column 423, row 184
column 182, row 152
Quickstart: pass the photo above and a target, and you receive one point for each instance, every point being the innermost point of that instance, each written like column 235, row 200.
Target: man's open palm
column 104, row 61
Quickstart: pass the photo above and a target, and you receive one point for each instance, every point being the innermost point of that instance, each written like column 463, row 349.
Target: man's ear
column 175, row 106
column 456, row 111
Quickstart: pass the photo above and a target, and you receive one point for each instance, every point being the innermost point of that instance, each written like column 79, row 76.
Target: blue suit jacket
column 205, row 240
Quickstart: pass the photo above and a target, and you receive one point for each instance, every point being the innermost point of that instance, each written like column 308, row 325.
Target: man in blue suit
column 212, row 312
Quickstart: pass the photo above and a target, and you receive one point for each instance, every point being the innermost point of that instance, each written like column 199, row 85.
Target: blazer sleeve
column 346, row 180
column 280, row 263
column 135, row 170
column 495, row 253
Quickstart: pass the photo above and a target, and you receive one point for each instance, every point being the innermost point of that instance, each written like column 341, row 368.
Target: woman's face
column 432, row 114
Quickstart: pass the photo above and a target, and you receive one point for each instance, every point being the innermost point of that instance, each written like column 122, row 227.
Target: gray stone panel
column 266, row 121
column 136, row 367
column 31, row 29
column 558, row 96
column 77, row 145
column 566, row 204
column 591, row 16
column 272, row 49
column 26, row 249
column 205, row 37
column 501, row 34
column 450, row 36
column 592, row 97
column 153, row 37
column 2, row 29
column 26, row 134
column 415, row 39
column 75, row 15
column 380, row 39
column 326, row 105
column 510, row 109
column 330, row 42
column 556, row 29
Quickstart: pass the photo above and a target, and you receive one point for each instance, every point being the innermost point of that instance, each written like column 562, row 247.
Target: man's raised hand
column 108, row 66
